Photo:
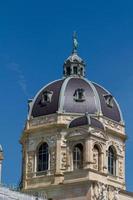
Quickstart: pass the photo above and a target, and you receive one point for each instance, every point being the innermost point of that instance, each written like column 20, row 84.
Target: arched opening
column 68, row 71
column 111, row 161
column 78, row 156
column 81, row 71
column 96, row 158
column 75, row 70
column 43, row 157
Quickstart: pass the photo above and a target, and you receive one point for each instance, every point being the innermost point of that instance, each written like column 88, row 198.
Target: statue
column 75, row 42
column 104, row 192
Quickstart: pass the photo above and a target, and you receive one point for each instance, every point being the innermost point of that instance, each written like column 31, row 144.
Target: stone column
column 102, row 162
column 68, row 159
column 105, row 160
column 58, row 173
column 88, row 160
column 58, row 156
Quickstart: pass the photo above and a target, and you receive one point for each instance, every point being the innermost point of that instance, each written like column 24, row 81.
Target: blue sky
column 36, row 37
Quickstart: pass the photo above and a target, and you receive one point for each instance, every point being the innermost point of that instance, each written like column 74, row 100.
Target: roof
column 86, row 120
column 62, row 99
column 74, row 58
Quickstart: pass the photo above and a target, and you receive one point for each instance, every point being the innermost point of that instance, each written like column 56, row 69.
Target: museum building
column 73, row 143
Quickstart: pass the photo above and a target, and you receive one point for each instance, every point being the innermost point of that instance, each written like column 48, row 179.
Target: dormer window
column 109, row 100
column 79, row 95
column 46, row 98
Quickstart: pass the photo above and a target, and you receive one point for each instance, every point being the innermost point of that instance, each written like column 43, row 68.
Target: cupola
column 74, row 65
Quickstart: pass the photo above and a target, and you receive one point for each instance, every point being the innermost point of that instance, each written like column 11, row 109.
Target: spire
column 75, row 42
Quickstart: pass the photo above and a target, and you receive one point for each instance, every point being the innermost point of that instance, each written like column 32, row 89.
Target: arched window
column 43, row 157
column 75, row 70
column 96, row 158
column 111, row 161
column 78, row 156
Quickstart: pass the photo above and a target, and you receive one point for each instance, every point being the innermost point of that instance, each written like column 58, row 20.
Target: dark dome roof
column 62, row 96
column 86, row 120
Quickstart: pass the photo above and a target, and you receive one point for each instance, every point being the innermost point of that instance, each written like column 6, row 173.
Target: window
column 78, row 156
column 75, row 70
column 96, row 158
column 42, row 157
column 109, row 100
column 111, row 161
column 46, row 98
column 68, row 71
column 79, row 95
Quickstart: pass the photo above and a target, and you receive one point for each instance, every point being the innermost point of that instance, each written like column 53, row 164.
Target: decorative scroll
column 120, row 168
column 51, row 140
column 30, row 162
column 53, row 158
column 63, row 161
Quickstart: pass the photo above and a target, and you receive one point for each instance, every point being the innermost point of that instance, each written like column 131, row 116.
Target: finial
column 75, row 42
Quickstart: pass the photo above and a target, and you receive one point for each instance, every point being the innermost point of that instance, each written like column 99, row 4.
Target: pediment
column 80, row 132
column 99, row 134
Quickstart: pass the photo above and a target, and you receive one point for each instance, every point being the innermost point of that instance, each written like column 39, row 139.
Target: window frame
column 77, row 156
column 111, row 161
column 75, row 70
column 79, row 95
column 44, row 158
column 109, row 100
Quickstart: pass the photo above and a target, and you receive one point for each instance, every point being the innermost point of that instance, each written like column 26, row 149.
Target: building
column 13, row 193
column 74, row 139
column 10, row 194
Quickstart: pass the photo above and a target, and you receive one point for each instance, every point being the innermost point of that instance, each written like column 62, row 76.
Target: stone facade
column 74, row 140
column 61, row 176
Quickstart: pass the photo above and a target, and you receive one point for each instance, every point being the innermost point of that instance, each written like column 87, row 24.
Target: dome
column 75, row 95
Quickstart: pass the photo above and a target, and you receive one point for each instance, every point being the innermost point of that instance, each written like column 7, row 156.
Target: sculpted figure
column 100, row 192
column 104, row 193
column 116, row 195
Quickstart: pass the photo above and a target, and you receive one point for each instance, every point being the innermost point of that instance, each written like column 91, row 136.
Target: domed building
column 74, row 139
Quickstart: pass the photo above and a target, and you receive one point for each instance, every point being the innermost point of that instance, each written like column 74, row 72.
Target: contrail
column 21, row 79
